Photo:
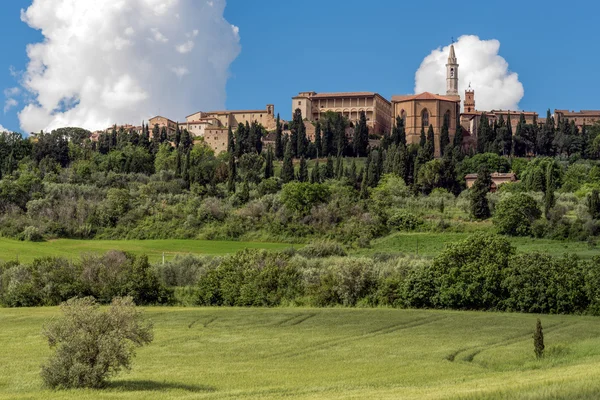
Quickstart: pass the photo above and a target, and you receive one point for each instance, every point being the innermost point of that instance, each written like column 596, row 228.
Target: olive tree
column 92, row 345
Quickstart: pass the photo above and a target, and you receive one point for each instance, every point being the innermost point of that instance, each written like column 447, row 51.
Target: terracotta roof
column 423, row 96
column 579, row 113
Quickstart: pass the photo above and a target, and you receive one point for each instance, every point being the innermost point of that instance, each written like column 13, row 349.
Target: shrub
column 468, row 274
column 301, row 197
column 323, row 248
column 515, row 214
column 92, row 346
column 31, row 234
column 404, row 221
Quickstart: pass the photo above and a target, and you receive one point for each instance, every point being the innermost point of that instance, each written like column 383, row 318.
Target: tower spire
column 452, row 74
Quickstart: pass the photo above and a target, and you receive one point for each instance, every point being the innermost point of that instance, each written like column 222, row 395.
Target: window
column 451, row 72
column 299, row 103
column 425, row 118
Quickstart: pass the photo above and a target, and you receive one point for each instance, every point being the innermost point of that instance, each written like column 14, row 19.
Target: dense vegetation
column 156, row 186
column 482, row 272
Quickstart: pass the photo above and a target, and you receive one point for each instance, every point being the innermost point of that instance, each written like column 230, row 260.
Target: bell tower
column 469, row 103
column 452, row 74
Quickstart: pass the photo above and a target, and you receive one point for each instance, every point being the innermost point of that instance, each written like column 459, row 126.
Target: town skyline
column 249, row 78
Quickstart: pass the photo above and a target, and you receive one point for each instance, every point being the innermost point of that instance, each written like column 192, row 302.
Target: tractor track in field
column 294, row 320
column 328, row 344
column 473, row 351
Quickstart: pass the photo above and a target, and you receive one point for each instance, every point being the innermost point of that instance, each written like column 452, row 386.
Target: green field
column 27, row 251
column 431, row 244
column 222, row 353
column 423, row 244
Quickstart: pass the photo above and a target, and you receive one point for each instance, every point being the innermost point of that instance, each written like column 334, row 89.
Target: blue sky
column 350, row 45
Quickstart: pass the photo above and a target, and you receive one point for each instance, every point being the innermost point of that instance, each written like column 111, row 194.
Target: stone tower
column 452, row 74
column 469, row 100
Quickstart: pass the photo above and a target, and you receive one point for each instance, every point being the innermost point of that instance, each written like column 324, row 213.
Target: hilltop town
column 418, row 111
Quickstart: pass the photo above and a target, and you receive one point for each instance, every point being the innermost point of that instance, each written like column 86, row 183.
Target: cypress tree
column 364, row 189
column 445, row 135
column 458, row 137
column 269, row 170
column 327, row 145
column 279, row 146
column 177, row 136
column 545, row 137
column 303, row 171
column 287, row 170
column 339, row 167
column 244, row 195
column 480, row 208
column 232, row 174
column 315, row 174
column 186, row 170
column 549, row 198
column 318, row 141
column 297, row 134
column 230, row 141
column 593, row 204
column 538, row 340
column 329, row 172
column 352, row 173
column 399, row 132
column 178, row 164
column 186, row 140
column 361, row 136
column 423, row 138
column 430, row 146
column 164, row 136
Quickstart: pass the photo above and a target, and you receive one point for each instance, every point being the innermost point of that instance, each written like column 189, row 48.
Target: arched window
column 451, row 72
column 425, row 118
column 447, row 118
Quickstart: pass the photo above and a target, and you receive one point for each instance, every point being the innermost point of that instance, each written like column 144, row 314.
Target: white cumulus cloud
column 496, row 87
column 105, row 61
column 3, row 129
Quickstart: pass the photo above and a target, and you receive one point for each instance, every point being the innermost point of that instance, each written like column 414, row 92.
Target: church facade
column 427, row 109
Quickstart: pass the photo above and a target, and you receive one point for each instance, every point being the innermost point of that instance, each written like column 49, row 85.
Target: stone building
column 377, row 109
column 419, row 111
column 216, row 138
column 171, row 126
column 583, row 117
column 233, row 118
column 470, row 117
column 498, row 178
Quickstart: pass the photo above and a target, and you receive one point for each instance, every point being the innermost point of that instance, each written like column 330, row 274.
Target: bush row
column 482, row 272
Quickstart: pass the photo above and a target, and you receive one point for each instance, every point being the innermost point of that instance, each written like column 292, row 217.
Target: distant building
column 470, row 117
column 419, row 111
column 233, row 118
column 583, row 117
column 498, row 179
column 216, row 138
column 162, row 122
column 377, row 109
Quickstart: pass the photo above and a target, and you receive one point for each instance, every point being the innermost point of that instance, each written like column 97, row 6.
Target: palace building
column 377, row 109
column 581, row 118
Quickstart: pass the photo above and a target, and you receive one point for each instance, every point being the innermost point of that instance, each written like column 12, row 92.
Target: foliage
column 91, row 345
column 301, row 197
column 479, row 204
column 515, row 215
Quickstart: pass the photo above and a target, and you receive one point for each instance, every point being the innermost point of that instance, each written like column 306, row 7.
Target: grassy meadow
column 423, row 244
column 154, row 249
column 296, row 353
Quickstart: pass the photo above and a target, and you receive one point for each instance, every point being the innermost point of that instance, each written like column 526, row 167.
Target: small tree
column 549, row 198
column 287, row 170
column 593, row 203
column 480, row 209
column 91, row 345
column 538, row 340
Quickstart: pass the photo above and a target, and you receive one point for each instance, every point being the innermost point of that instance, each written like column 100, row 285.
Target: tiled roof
column 423, row 96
